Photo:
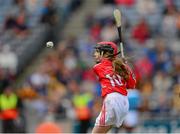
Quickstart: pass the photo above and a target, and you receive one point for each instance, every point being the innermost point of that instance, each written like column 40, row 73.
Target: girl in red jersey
column 115, row 78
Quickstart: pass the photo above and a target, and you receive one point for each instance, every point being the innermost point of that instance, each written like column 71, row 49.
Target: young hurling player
column 115, row 78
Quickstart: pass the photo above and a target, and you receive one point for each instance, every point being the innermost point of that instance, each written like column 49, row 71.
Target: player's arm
column 98, row 70
column 131, row 81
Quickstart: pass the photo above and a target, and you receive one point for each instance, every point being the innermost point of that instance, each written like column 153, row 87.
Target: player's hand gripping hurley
column 117, row 16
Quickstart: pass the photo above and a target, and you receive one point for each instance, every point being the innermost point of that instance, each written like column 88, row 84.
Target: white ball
column 49, row 44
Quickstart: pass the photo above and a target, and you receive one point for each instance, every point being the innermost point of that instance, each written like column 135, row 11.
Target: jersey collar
column 106, row 61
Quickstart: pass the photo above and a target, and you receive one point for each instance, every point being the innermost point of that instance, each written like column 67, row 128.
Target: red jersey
column 111, row 82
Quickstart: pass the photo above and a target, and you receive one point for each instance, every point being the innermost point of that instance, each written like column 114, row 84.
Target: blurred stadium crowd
column 64, row 87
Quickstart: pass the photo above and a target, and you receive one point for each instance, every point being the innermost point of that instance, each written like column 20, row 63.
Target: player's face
column 97, row 56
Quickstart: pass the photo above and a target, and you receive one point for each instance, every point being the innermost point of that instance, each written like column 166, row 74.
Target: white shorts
column 115, row 108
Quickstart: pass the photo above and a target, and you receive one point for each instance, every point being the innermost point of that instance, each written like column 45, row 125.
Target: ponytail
column 120, row 68
column 119, row 65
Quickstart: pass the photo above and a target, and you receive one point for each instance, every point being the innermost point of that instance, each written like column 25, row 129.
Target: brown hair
column 120, row 68
column 118, row 65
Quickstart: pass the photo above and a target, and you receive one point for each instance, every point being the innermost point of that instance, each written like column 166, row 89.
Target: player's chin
column 97, row 60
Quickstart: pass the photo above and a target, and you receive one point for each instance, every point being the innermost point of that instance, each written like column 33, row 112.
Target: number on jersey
column 114, row 80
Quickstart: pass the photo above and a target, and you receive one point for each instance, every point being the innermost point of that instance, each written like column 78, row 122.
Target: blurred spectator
column 175, row 100
column 56, row 92
column 11, row 108
column 162, row 82
column 160, row 100
column 81, row 103
column 108, row 2
column 49, row 13
column 20, row 3
column 85, row 48
column 75, row 4
column 161, row 57
column 95, row 31
column 10, row 22
column 21, row 26
column 146, row 89
column 169, row 29
column 33, row 7
column 89, row 20
column 17, row 24
column 178, row 24
column 5, row 79
column 144, row 68
column 141, row 31
column 127, row 3
column 132, row 119
column 146, row 7
column 109, row 32
column 70, row 61
column 39, row 81
column 176, row 69
column 8, row 59
column 27, row 92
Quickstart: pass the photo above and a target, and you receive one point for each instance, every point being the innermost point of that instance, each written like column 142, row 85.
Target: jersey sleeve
column 98, row 70
column 131, row 82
